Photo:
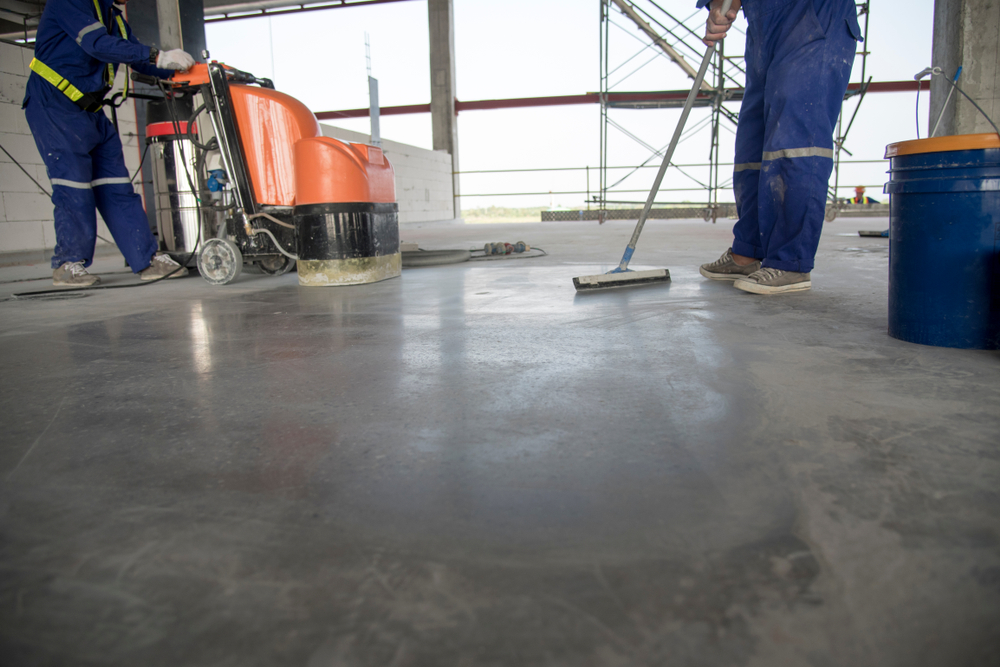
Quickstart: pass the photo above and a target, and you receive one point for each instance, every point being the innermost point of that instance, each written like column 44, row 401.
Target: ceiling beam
column 248, row 10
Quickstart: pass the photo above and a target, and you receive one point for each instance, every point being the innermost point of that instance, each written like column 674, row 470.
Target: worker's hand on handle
column 718, row 25
column 175, row 59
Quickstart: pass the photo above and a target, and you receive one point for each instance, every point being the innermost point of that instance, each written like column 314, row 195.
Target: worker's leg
column 118, row 202
column 64, row 138
column 749, row 146
column 806, row 81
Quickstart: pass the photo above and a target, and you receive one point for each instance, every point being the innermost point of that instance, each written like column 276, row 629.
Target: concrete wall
column 25, row 212
column 966, row 33
column 423, row 177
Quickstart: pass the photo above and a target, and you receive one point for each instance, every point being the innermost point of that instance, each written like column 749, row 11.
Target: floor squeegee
column 623, row 276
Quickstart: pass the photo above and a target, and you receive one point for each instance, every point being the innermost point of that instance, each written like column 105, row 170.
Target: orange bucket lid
column 958, row 142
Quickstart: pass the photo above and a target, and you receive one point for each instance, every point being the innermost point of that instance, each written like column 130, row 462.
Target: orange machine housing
column 327, row 170
column 270, row 124
column 291, row 163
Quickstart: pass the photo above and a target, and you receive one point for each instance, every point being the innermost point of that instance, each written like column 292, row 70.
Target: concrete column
column 143, row 21
column 966, row 34
column 441, row 22
column 172, row 24
column 185, row 20
column 168, row 15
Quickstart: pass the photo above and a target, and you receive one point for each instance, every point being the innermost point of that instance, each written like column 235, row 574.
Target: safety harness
column 86, row 101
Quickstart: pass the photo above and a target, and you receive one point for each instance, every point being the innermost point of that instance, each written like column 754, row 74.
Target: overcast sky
column 527, row 48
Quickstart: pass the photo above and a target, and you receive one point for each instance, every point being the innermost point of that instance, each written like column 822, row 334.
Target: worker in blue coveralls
column 798, row 59
column 78, row 47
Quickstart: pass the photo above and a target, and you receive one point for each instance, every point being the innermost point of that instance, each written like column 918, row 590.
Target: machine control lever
column 239, row 76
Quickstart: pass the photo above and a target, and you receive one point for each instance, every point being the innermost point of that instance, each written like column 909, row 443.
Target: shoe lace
column 725, row 259
column 76, row 269
column 765, row 273
column 165, row 259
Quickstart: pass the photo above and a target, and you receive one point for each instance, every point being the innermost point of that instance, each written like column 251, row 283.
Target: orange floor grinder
column 260, row 185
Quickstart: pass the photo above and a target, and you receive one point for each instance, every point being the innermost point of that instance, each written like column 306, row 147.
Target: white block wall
column 423, row 177
column 25, row 212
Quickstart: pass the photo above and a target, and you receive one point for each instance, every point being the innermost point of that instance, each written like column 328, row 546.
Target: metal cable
column 988, row 119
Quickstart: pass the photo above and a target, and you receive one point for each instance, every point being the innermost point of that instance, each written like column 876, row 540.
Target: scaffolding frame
column 723, row 69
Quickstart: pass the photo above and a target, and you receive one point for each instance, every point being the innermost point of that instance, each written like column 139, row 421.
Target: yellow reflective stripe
column 121, row 27
column 47, row 73
column 109, row 72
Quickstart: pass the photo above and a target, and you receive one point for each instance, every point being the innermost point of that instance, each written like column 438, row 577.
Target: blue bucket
column 944, row 241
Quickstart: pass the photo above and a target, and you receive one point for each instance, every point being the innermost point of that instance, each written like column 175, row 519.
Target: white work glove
column 175, row 59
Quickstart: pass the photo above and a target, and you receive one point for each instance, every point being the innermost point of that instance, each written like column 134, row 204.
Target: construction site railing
column 590, row 193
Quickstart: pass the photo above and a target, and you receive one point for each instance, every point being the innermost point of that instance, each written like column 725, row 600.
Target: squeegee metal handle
column 688, row 104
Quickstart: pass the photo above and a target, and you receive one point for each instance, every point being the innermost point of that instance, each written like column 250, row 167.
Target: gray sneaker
column 725, row 268
column 73, row 274
column 773, row 281
column 162, row 266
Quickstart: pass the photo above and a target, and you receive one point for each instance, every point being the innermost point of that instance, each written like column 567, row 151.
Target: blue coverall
column 798, row 59
column 81, row 149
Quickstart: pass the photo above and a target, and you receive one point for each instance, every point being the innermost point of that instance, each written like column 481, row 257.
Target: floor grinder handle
column 144, row 78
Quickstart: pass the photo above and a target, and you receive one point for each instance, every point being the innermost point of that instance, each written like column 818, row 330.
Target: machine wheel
column 275, row 266
column 831, row 213
column 220, row 261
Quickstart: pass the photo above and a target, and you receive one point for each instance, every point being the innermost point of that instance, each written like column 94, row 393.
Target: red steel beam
column 383, row 111
column 892, row 86
column 521, row 102
column 591, row 98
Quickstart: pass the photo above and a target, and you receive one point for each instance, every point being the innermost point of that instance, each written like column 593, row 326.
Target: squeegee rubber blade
column 614, row 280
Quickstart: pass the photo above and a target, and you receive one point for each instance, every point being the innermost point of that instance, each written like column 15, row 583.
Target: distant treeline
column 503, row 212
column 536, row 211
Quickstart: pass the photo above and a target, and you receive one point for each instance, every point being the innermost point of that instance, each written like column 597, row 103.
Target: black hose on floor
column 435, row 257
column 417, row 258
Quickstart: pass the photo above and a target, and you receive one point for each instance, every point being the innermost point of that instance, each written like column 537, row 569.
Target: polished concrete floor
column 474, row 465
